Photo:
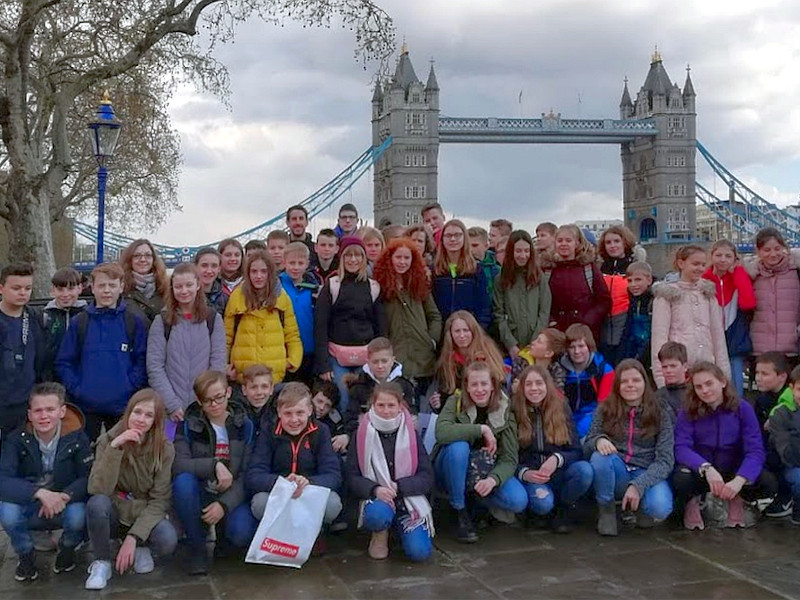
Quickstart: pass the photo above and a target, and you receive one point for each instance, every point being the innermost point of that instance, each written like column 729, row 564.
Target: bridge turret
column 625, row 104
column 432, row 89
column 688, row 91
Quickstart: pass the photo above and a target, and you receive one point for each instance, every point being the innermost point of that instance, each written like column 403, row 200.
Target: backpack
column 210, row 320
column 336, row 285
column 82, row 324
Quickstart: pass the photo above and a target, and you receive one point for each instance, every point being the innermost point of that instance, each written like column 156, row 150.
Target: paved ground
column 508, row 562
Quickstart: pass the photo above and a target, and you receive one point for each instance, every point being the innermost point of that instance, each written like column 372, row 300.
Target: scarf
column 373, row 465
column 228, row 285
column 783, row 265
column 146, row 283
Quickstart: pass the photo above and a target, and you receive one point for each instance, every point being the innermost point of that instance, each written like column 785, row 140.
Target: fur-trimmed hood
column 550, row 259
column 672, row 292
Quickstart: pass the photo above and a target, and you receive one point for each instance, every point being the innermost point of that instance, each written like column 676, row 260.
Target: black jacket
column 20, row 370
column 361, row 392
column 539, row 450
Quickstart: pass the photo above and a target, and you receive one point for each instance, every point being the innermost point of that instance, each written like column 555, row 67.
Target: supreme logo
column 279, row 548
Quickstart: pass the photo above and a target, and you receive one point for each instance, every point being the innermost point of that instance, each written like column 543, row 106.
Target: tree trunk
column 31, row 239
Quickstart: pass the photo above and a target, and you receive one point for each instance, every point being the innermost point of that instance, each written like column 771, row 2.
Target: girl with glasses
column 146, row 281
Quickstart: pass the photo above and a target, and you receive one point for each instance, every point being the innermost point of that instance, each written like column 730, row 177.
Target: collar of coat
column 497, row 418
column 672, row 292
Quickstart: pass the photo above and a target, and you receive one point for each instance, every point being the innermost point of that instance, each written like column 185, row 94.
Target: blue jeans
column 417, row 544
column 19, row 519
column 188, row 499
column 338, row 373
column 566, row 484
column 451, row 475
column 611, row 479
column 792, row 476
column 737, row 374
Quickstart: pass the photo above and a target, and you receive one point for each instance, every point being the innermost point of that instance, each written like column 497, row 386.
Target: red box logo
column 279, row 548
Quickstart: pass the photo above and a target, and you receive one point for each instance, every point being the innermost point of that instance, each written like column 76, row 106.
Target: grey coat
column 173, row 365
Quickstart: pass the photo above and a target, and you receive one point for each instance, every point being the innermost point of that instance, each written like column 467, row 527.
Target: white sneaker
column 143, row 561
column 99, row 574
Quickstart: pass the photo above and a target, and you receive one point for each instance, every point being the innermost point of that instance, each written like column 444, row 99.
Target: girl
column 414, row 321
column 616, row 249
column 211, row 452
column 419, row 236
column 464, row 343
column 130, row 484
column 232, row 254
column 349, row 314
column 521, row 296
column 146, row 279
column 736, row 297
column 550, row 462
column 687, row 311
column 260, row 324
column 458, row 280
column 718, row 448
column 208, row 262
column 474, row 424
column 579, row 293
column 187, row 338
column 373, row 243
column 391, row 474
column 630, row 442
column 777, row 289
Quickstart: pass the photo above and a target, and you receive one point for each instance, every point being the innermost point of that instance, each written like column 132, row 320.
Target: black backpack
column 82, row 323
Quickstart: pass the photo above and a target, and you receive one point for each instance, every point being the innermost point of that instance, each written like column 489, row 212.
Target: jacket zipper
column 296, row 450
column 629, row 454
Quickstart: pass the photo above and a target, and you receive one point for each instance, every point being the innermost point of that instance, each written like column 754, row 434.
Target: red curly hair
column 416, row 280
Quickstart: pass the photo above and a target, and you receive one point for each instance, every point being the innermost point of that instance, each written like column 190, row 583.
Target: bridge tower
column 658, row 173
column 405, row 176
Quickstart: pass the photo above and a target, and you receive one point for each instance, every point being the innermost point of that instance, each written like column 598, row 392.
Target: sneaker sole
column 33, row 577
column 64, row 569
column 778, row 515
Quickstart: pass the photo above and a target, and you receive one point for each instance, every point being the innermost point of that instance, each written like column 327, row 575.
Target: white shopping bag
column 429, row 441
column 290, row 526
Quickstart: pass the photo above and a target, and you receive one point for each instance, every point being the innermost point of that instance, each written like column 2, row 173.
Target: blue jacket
column 21, row 472
column 303, row 297
column 104, row 373
column 584, row 389
column 470, row 293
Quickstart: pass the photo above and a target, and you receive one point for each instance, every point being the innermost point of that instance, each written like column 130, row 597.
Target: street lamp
column 104, row 131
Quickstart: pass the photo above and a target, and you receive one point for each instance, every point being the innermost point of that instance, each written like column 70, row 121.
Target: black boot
column 559, row 522
column 197, row 561
column 466, row 528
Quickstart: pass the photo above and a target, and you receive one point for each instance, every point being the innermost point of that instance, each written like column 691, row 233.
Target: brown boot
column 379, row 545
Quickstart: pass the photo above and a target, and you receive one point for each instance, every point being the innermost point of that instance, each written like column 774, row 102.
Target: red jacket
column 738, row 281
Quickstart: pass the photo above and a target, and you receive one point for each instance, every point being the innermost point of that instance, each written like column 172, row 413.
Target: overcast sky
column 300, row 106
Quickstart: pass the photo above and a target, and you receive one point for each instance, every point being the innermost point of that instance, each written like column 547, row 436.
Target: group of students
column 510, row 374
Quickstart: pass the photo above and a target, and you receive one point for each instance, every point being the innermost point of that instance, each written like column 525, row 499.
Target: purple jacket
column 731, row 441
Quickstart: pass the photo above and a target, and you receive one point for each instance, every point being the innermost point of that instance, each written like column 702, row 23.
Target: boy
column 101, row 361
column 498, row 229
column 784, row 427
column 673, row 395
column 638, row 324
column 479, row 247
column 327, row 254
column 297, row 448
column 433, row 217
column 297, row 222
column 544, row 350
column 325, row 397
column 252, row 245
column 44, row 471
column 589, row 378
column 545, row 236
column 65, row 288
column 277, row 241
column 22, row 345
column 347, row 224
column 381, row 367
column 500, row 250
column 257, row 387
column 302, row 287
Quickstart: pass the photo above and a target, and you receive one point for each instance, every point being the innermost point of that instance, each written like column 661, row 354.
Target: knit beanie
column 346, row 242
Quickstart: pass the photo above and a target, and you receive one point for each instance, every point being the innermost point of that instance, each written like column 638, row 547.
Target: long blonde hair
column 556, row 427
column 155, row 440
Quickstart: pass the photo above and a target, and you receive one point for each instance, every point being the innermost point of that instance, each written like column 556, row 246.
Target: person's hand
column 535, row 476
column 766, row 425
column 435, row 400
column 631, row 499
column 605, row 447
column 548, row 468
column 52, row 502
column 127, row 436
column 176, row 416
column 731, row 489
column 340, row 442
column 230, row 372
column 126, row 554
column 386, row 494
column 328, row 376
column 715, row 482
column 301, row 483
column 213, row 513
column 224, row 477
column 485, row 486
column 489, row 441
column 513, row 352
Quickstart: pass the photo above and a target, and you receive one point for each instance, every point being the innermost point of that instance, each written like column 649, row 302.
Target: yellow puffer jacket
column 261, row 337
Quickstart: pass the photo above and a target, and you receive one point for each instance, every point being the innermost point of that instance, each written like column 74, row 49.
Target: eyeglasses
column 453, row 236
column 215, row 400
column 141, row 255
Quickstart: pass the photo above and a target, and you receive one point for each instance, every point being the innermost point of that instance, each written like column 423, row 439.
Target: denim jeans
column 19, row 520
column 737, row 374
column 566, row 486
column 188, row 500
column 611, row 479
column 417, row 544
column 451, row 475
column 338, row 373
column 792, row 476
column 102, row 521
column 332, row 509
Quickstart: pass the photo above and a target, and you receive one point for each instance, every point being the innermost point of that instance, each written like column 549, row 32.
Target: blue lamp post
column 104, row 131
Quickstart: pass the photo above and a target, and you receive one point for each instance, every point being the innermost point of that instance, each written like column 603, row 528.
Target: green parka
column 521, row 312
column 414, row 330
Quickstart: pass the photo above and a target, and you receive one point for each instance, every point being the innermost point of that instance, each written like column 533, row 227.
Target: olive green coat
column 521, row 312
column 414, row 330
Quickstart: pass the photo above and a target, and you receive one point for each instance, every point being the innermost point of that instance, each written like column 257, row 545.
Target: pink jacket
column 775, row 320
column 690, row 314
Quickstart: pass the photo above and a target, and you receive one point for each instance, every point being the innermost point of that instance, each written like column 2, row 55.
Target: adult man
column 348, row 221
column 297, row 221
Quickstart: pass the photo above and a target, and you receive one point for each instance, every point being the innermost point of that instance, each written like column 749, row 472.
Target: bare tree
column 56, row 55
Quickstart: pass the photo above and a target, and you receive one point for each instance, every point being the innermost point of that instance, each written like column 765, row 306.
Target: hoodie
column 56, row 321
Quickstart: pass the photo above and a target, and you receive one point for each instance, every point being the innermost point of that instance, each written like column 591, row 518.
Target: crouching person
column 131, row 483
column 212, row 447
column 391, row 474
column 43, row 473
column 297, row 448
